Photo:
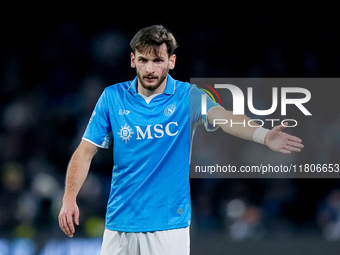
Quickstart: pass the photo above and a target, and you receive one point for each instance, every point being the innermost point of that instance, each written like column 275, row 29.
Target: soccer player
column 151, row 120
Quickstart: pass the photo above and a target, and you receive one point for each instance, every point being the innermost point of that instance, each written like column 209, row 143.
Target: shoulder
column 186, row 89
column 118, row 87
column 112, row 92
column 185, row 86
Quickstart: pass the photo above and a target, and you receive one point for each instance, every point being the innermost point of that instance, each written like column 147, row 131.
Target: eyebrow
column 152, row 58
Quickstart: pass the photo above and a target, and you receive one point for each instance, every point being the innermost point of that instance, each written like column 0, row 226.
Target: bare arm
column 77, row 171
column 275, row 138
column 242, row 131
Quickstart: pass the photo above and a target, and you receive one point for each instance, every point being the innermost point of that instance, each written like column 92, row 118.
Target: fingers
column 66, row 225
column 70, row 225
column 294, row 139
column 292, row 149
column 283, row 142
column 76, row 217
column 294, row 143
column 66, row 221
column 289, row 148
column 285, row 151
column 290, row 137
column 292, row 146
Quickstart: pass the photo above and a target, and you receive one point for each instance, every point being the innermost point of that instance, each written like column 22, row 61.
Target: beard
column 157, row 79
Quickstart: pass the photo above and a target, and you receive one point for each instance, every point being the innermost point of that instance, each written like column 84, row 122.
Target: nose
column 149, row 68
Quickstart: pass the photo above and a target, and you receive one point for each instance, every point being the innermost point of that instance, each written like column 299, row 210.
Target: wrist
column 69, row 198
column 260, row 135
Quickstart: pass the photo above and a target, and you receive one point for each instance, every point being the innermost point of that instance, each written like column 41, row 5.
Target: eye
column 142, row 60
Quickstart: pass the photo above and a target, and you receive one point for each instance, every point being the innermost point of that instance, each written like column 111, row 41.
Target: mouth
column 150, row 79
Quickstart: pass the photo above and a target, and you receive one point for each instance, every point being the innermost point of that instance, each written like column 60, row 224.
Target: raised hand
column 283, row 142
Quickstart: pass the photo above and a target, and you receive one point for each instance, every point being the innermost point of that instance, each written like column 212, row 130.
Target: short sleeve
column 98, row 130
column 196, row 115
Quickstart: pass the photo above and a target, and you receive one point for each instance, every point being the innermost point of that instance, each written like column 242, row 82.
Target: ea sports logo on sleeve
column 169, row 110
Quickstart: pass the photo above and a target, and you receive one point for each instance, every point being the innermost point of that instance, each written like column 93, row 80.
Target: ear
column 133, row 58
column 172, row 61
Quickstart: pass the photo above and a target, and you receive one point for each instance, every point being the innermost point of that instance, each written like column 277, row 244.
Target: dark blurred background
column 54, row 67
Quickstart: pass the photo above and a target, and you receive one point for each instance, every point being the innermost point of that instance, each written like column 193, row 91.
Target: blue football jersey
column 151, row 149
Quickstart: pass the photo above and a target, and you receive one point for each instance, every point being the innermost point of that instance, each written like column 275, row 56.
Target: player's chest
column 158, row 110
column 159, row 118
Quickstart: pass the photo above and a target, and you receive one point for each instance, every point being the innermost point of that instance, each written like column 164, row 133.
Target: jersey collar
column 169, row 89
column 170, row 86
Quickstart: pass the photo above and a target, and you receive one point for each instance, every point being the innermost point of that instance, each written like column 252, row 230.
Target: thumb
column 281, row 127
column 76, row 217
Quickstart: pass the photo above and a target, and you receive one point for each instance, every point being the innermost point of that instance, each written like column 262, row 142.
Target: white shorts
column 167, row 242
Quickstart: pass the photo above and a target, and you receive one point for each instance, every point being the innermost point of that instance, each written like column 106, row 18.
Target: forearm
column 241, row 129
column 76, row 174
column 77, row 171
column 237, row 125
